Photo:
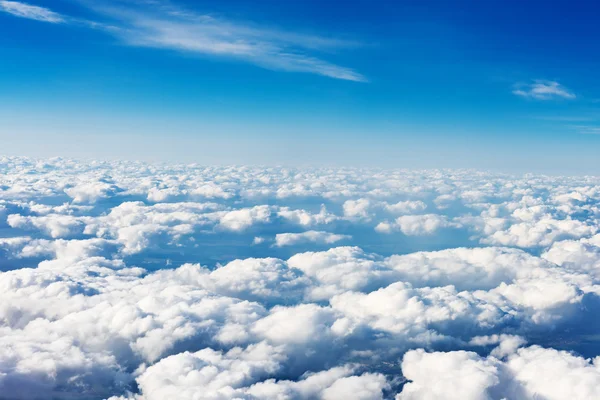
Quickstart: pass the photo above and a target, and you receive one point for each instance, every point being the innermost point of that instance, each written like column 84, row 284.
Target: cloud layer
column 134, row 281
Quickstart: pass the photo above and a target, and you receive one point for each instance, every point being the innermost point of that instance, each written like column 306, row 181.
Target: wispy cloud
column 31, row 12
column 565, row 118
column 211, row 36
column 588, row 129
column 543, row 90
column 160, row 24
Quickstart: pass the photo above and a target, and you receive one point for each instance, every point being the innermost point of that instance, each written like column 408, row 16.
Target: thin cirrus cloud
column 544, row 90
column 139, row 24
column 588, row 129
column 31, row 12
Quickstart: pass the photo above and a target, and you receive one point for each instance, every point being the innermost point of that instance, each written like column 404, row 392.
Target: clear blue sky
column 508, row 85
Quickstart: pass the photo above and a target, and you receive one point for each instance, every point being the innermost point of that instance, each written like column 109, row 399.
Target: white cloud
column 544, row 90
column 357, row 208
column 341, row 269
column 458, row 375
column 239, row 220
column 213, row 316
column 416, row 225
column 507, row 344
column 406, row 207
column 241, row 373
column 421, row 224
column 478, row 268
column 159, row 24
column 319, row 237
column 305, row 218
column 90, row 192
column 24, row 10
column 528, row 373
column 578, row 255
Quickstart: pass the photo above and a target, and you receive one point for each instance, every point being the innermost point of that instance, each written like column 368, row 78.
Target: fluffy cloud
column 241, row 373
column 238, row 220
column 579, row 255
column 406, row 207
column 357, row 208
column 416, row 225
column 287, row 239
column 140, row 281
column 528, row 373
column 459, row 375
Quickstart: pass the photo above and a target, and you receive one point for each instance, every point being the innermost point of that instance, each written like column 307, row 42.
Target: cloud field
column 126, row 280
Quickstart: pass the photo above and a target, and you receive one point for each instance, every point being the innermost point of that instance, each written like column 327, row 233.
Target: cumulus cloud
column 357, row 208
column 579, row 255
column 415, row 225
column 406, row 207
column 241, row 373
column 136, row 281
column 238, row 220
column 305, row 218
column 288, row 239
column 528, row 373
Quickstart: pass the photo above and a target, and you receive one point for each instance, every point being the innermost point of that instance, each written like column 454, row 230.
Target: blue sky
column 505, row 85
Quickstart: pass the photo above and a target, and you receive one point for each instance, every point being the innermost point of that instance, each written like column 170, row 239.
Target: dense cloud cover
column 134, row 281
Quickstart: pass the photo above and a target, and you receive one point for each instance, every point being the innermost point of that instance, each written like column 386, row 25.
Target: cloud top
column 132, row 281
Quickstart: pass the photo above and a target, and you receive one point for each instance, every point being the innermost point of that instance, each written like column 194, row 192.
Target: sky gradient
column 502, row 85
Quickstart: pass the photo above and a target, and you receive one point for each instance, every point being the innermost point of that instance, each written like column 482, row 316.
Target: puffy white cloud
column 295, row 325
column 227, row 307
column 540, row 233
column 90, row 192
column 458, row 375
column 330, row 384
column 241, row 373
column 477, row 268
column 258, row 279
column 54, row 225
column 305, row 218
column 319, row 237
column 527, row 373
column 581, row 255
column 239, row 220
column 406, row 207
column 209, row 374
column 342, row 269
column 357, row 208
column 416, row 225
column 34, row 366
column 406, row 312
column 421, row 224
column 507, row 344
column 554, row 374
